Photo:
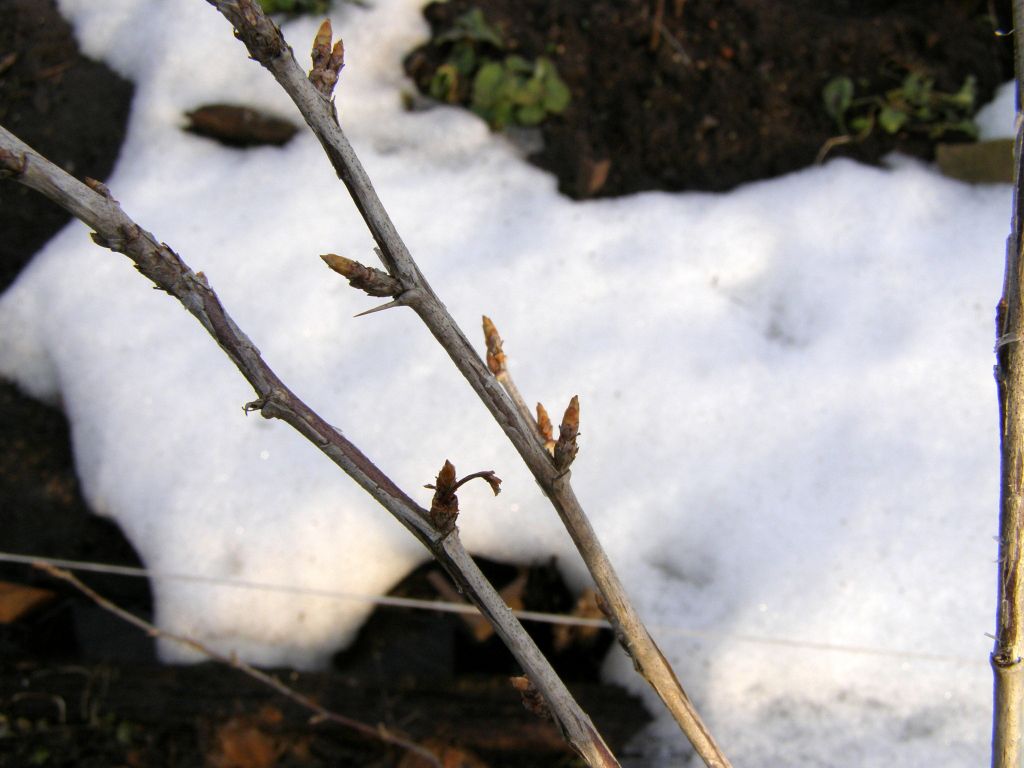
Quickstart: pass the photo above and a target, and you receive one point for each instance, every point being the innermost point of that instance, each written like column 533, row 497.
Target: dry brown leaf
column 236, row 125
column 16, row 600
column 532, row 699
column 565, row 636
column 450, row 755
column 240, row 743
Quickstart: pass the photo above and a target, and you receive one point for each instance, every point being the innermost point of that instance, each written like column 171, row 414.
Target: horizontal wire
column 470, row 610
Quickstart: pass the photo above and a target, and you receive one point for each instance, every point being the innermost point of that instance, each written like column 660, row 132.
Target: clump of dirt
column 703, row 95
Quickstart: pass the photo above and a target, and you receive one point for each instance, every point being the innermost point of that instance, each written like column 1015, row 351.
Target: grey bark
column 267, row 46
column 94, row 205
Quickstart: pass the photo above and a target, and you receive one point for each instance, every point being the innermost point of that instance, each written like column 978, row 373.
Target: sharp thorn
column 396, row 303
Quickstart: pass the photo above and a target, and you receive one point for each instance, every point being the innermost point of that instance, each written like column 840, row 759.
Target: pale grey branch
column 116, row 231
column 266, row 45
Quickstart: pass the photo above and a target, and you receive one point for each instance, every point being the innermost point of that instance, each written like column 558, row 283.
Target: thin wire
column 469, row 610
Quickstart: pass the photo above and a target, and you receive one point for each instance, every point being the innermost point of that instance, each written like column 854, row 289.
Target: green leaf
column 532, row 114
column 474, row 27
column 529, row 93
column 556, row 94
column 463, row 58
column 964, row 98
column 838, row 95
column 501, row 115
column 892, row 119
column 520, row 65
column 968, row 127
column 444, row 85
column 487, row 85
column 917, row 88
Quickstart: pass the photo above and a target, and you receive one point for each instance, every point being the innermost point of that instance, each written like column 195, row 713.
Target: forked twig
column 320, row 713
column 95, row 206
column 267, row 46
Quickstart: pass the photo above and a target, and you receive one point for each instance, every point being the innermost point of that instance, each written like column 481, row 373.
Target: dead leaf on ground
column 16, row 600
column 450, row 756
column 241, row 742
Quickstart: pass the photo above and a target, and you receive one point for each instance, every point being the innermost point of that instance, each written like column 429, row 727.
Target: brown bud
column 495, row 357
column 374, row 282
column 327, row 60
column 545, row 429
column 566, row 447
column 532, row 699
column 444, row 508
column 99, row 187
column 322, row 43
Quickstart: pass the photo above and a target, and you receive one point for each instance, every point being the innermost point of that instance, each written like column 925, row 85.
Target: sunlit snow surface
column 789, row 423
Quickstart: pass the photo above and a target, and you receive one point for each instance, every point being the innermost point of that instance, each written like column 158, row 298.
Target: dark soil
column 707, row 95
column 702, row 95
column 69, row 108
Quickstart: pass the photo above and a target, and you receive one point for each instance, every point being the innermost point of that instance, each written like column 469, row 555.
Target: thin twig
column 497, row 364
column 95, row 206
column 1007, row 661
column 321, row 713
column 659, row 15
column 267, row 46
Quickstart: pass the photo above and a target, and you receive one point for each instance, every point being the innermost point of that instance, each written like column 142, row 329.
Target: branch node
column 12, row 164
column 99, row 187
column 260, row 34
column 254, row 405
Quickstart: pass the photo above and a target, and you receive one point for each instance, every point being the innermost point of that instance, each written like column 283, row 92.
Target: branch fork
column 160, row 264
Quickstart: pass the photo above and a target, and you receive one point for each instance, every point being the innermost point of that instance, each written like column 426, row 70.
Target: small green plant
column 518, row 91
column 295, row 6
column 914, row 106
column 503, row 90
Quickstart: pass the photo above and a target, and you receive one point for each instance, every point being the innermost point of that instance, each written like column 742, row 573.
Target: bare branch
column 321, row 714
column 116, row 231
column 1008, row 655
column 268, row 47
